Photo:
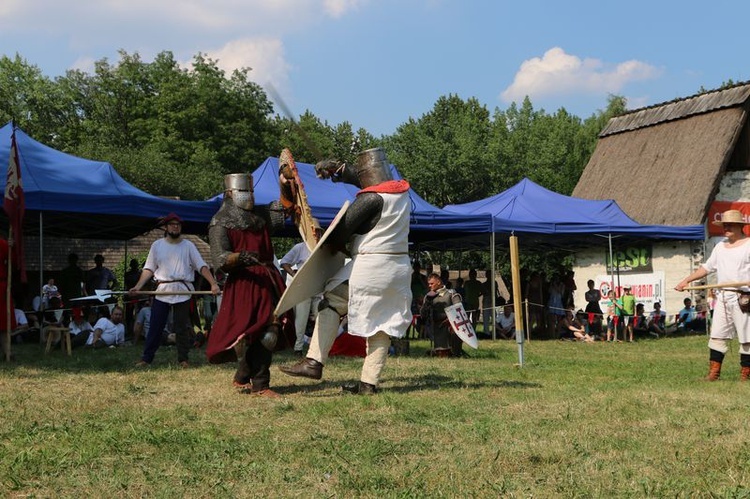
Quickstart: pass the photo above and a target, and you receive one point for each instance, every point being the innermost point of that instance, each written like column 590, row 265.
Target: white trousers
column 301, row 316
column 327, row 323
column 729, row 320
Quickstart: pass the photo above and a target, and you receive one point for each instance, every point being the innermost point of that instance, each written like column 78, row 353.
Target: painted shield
column 312, row 276
column 302, row 214
column 461, row 324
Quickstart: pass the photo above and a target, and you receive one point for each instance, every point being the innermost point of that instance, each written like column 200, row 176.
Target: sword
column 284, row 109
column 103, row 294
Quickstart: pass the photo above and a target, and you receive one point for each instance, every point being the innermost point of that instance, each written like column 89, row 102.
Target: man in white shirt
column 506, row 323
column 657, row 320
column 80, row 329
column 108, row 332
column 291, row 262
column 730, row 260
column 172, row 261
column 22, row 324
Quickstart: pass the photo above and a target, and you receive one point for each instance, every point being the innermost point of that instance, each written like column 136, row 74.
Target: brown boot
column 745, row 373
column 714, row 370
column 305, row 368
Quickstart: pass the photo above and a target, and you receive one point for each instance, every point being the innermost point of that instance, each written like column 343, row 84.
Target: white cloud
column 264, row 55
column 9, row 8
column 273, row 16
column 557, row 73
column 85, row 64
column 337, row 8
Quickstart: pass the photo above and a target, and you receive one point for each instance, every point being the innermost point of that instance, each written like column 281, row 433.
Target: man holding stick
column 172, row 261
column 730, row 259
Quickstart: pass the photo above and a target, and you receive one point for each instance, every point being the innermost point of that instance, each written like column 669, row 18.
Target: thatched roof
column 663, row 164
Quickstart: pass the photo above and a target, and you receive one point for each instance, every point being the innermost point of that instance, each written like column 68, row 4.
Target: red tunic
column 248, row 299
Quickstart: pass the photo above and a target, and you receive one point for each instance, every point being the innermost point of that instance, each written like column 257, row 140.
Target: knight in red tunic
column 245, row 328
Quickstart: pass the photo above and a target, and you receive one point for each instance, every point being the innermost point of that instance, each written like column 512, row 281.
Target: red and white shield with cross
column 461, row 324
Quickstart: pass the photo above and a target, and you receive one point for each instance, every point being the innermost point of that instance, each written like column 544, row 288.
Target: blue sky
column 376, row 63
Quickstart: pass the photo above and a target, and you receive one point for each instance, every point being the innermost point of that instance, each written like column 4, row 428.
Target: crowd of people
column 377, row 294
column 92, row 323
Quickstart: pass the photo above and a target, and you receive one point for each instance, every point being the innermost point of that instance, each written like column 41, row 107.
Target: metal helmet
column 241, row 187
column 372, row 167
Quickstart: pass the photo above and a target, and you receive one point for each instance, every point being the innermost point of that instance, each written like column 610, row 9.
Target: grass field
column 577, row 420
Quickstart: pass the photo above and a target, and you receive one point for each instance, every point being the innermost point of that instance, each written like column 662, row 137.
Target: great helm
column 241, row 186
column 372, row 167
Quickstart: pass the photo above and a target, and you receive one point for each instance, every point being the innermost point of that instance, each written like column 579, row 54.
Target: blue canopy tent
column 326, row 198
column 530, row 208
column 548, row 218
column 68, row 196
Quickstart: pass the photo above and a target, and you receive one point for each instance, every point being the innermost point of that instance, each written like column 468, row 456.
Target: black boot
column 360, row 388
column 305, row 368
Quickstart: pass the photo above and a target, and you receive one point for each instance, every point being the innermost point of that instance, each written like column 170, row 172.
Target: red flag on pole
column 15, row 206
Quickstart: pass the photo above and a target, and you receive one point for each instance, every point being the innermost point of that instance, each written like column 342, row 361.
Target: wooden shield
column 302, row 214
column 312, row 276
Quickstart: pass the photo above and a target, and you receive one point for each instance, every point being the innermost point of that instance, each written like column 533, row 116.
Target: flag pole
column 14, row 207
column 7, row 297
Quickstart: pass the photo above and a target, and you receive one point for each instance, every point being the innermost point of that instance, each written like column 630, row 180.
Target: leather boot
column 744, row 373
column 305, row 368
column 714, row 370
column 360, row 388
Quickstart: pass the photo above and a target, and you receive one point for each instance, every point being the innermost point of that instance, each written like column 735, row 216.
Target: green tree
column 308, row 138
column 31, row 99
column 312, row 140
column 444, row 153
column 170, row 130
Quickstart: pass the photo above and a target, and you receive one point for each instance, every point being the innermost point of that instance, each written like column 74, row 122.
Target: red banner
column 15, row 206
column 719, row 207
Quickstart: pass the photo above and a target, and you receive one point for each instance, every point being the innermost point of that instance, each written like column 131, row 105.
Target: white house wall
column 675, row 259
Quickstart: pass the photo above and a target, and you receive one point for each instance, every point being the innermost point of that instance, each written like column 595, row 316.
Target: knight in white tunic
column 376, row 227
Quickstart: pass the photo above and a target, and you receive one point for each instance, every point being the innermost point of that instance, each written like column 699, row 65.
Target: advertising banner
column 647, row 288
column 634, row 259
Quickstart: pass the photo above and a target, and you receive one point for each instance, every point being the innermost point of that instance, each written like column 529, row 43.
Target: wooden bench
column 58, row 332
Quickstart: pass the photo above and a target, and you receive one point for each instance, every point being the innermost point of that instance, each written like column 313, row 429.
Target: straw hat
column 731, row 217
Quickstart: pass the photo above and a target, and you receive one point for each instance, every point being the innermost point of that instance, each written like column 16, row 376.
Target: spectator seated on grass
column 22, row 326
column 571, row 328
column 108, row 331
column 657, row 321
column 640, row 322
column 506, row 323
column 689, row 319
column 80, row 329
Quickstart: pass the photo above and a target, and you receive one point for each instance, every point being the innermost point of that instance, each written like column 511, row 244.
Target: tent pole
column 526, row 318
column 493, row 285
column 611, row 261
column 8, row 309
column 612, row 278
column 41, row 257
column 516, row 278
